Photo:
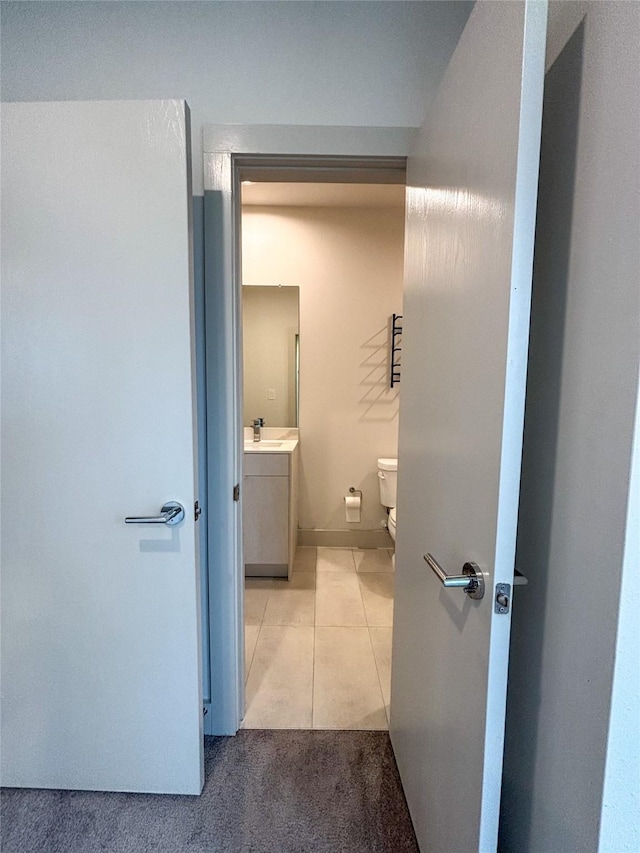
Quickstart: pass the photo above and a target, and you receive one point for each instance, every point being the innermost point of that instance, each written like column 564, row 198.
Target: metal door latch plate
column 502, row 600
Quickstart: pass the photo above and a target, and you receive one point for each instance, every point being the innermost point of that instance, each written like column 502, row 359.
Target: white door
column 472, row 185
column 101, row 683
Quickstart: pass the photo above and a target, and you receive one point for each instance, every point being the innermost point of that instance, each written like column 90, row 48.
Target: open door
column 472, row 185
column 101, row 685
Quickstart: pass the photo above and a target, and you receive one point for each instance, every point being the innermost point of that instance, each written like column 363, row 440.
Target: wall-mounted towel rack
column 394, row 360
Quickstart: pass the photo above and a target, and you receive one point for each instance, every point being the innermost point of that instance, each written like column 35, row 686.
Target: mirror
column 271, row 353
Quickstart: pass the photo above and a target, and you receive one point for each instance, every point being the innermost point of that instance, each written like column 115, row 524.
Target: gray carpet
column 265, row 792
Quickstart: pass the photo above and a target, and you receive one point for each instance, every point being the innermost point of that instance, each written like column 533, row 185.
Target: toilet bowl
column 388, row 483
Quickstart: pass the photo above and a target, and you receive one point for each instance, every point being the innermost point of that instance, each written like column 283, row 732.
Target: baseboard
column 345, row 538
column 266, row 570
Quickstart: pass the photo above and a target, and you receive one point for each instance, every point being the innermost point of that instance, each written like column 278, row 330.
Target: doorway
column 318, row 643
column 363, row 154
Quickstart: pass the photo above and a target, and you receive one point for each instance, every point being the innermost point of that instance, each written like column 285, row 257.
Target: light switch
column 272, row 393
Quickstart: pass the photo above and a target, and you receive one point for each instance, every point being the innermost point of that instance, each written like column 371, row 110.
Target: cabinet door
column 266, row 520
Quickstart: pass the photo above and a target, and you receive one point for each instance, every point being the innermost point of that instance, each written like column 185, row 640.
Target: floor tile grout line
column 373, row 650
column 253, row 654
column 255, row 648
column 266, row 601
column 313, row 658
column 344, row 625
column 248, row 672
column 364, row 606
column 357, row 628
column 313, row 680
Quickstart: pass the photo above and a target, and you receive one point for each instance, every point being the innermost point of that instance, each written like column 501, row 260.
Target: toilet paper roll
column 352, row 504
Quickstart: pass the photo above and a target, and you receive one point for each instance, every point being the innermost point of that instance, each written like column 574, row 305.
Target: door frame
column 227, row 149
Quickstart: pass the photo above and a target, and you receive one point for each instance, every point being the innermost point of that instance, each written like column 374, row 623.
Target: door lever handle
column 471, row 580
column 171, row 513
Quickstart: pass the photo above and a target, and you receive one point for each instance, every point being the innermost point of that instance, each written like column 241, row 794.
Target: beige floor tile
column 305, row 559
column 335, row 560
column 292, row 602
column 256, row 594
column 280, row 683
column 372, row 560
column 377, row 595
column 250, row 639
column 346, row 688
column 338, row 600
column 381, row 642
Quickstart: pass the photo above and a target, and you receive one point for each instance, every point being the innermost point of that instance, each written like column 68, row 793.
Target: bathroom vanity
column 270, row 512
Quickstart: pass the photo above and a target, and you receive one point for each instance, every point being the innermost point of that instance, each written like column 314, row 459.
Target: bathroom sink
column 257, row 445
column 270, row 445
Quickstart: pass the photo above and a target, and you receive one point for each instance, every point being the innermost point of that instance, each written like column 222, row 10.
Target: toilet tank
column 388, row 481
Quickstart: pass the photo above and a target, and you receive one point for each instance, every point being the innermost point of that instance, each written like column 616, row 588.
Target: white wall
column 348, row 263
column 347, row 63
column 581, row 399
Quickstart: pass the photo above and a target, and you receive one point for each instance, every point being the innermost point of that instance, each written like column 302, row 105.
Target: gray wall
column 582, row 389
column 347, row 63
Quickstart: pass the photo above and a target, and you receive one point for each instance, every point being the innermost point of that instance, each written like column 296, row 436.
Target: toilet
column 388, row 483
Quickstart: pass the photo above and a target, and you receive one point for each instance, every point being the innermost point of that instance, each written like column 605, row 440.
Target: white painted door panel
column 100, row 631
column 472, row 185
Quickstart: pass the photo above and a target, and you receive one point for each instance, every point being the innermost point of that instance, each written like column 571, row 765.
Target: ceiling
column 275, row 194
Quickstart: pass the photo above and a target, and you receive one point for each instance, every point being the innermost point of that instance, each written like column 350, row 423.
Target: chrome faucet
column 257, row 428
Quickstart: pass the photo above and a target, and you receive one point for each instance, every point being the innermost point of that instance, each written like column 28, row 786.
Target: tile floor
column 318, row 647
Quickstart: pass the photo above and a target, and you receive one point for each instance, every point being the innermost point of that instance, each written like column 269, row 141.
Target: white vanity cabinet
column 270, row 517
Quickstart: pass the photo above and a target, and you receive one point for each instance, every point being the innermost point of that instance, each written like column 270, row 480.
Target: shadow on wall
column 379, row 402
column 561, row 111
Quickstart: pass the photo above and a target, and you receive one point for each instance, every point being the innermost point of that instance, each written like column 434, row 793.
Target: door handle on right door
column 471, row 580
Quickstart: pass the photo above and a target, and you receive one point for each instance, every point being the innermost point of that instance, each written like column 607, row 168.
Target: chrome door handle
column 171, row 513
column 471, row 579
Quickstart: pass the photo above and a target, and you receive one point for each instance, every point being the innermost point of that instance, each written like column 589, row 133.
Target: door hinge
column 236, row 492
column 503, row 598
column 197, row 510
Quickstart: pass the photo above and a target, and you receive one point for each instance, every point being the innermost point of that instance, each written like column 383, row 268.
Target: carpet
column 285, row 791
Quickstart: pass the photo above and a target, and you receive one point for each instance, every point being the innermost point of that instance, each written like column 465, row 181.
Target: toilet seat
column 392, row 523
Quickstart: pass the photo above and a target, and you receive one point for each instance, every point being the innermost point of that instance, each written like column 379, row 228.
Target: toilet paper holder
column 353, row 506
